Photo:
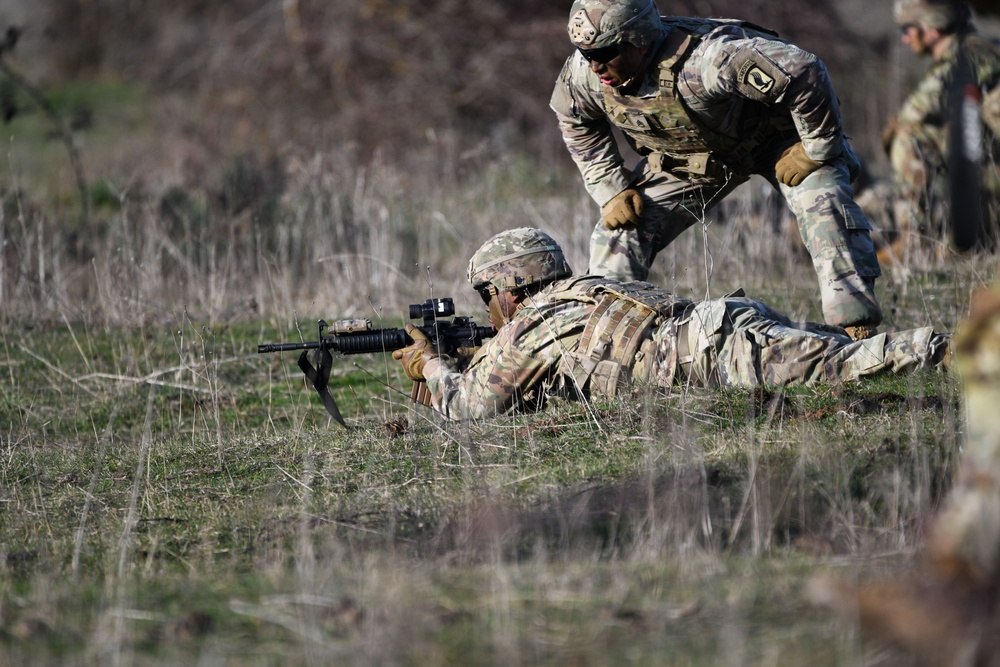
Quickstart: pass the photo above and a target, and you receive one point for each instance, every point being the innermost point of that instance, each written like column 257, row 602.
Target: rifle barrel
column 266, row 348
column 362, row 342
column 383, row 340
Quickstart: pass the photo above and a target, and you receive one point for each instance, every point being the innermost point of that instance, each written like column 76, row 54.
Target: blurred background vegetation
column 182, row 180
column 370, row 140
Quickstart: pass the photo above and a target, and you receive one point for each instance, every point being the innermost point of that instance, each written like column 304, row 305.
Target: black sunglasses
column 905, row 28
column 603, row 55
column 485, row 294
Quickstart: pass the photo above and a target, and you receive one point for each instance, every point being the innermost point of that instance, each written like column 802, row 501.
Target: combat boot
column 861, row 331
column 948, row 360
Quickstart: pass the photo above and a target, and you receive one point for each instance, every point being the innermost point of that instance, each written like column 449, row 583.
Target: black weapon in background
column 965, row 154
column 356, row 336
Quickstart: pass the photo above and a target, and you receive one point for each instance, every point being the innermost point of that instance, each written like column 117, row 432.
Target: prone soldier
column 708, row 103
column 591, row 336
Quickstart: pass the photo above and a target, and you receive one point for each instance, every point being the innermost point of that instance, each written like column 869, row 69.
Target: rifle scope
column 432, row 309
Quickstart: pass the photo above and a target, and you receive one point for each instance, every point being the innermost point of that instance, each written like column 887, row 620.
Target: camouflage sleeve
column 775, row 73
column 925, row 105
column 991, row 110
column 586, row 130
column 924, row 112
column 988, row 74
column 504, row 370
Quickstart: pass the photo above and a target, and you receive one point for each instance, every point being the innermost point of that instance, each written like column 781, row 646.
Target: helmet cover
column 517, row 258
column 933, row 14
column 594, row 24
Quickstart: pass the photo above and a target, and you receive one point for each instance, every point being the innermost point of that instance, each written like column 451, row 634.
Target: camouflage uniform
column 946, row 613
column 918, row 145
column 592, row 336
column 963, row 543
column 719, row 101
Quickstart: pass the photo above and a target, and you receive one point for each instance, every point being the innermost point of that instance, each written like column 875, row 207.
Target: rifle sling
column 320, row 379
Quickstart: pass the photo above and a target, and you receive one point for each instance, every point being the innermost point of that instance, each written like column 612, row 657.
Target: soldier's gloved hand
column 414, row 356
column 794, row 165
column 624, row 208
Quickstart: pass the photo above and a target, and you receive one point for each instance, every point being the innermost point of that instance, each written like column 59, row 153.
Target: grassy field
column 171, row 497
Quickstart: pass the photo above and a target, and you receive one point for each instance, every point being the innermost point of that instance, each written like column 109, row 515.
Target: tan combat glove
column 415, row 356
column 624, row 208
column 794, row 165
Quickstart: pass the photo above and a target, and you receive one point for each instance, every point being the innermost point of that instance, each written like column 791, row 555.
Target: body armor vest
column 625, row 316
column 661, row 126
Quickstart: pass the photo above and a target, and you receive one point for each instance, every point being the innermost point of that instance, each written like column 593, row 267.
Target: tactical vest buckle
column 697, row 163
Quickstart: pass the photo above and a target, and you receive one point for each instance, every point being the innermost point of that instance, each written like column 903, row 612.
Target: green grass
column 100, row 110
column 169, row 494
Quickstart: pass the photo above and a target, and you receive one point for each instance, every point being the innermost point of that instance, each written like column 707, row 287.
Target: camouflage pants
column 965, row 535
column 831, row 225
column 920, row 175
column 736, row 341
column 920, row 178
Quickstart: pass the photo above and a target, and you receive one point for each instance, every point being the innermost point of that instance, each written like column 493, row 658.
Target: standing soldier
column 708, row 103
column 916, row 138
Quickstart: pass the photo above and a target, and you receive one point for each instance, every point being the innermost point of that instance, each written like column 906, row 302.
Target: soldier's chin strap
column 320, row 378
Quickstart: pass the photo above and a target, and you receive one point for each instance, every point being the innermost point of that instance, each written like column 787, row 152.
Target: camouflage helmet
column 517, row 258
column 944, row 15
column 595, row 24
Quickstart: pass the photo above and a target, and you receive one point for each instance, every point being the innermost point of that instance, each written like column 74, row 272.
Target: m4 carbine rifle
column 356, row 336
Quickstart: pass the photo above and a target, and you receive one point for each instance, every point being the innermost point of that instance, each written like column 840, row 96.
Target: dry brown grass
column 268, row 178
column 281, row 152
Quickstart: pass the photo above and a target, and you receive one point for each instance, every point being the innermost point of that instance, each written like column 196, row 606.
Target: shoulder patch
column 755, row 76
column 751, row 74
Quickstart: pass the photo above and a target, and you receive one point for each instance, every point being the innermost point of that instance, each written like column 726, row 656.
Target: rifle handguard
column 356, row 336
